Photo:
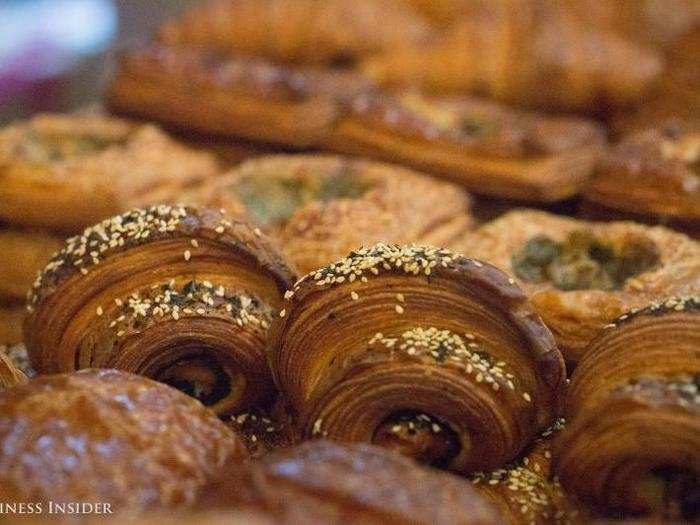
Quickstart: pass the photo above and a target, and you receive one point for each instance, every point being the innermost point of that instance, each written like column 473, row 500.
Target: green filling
column 582, row 262
column 42, row 148
column 274, row 200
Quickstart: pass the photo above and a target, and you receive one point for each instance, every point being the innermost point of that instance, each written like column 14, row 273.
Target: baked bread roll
column 633, row 445
column 581, row 275
column 324, row 482
column 183, row 295
column 65, row 172
column 321, row 31
column 320, row 206
column 108, row 436
column 10, row 375
column 654, row 173
column 534, row 53
column 419, row 350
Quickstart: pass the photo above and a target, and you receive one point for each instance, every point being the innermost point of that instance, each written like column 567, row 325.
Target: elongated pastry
column 534, row 53
column 65, row 172
column 489, row 148
column 11, row 317
column 633, row 446
column 298, row 30
column 320, row 207
column 419, row 350
column 324, row 482
column 180, row 294
column 10, row 375
column 110, row 437
column 580, row 275
column 24, row 254
column 653, row 172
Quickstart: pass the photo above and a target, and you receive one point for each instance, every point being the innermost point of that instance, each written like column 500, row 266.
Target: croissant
column 183, row 295
column 320, row 207
column 580, row 275
column 421, row 351
column 322, row 31
column 324, row 482
column 10, row 375
column 652, row 172
column 633, row 446
column 65, row 172
column 11, row 317
column 110, row 437
column 529, row 53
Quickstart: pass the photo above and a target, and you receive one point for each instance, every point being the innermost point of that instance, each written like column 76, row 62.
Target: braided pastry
column 421, row 351
column 633, row 446
column 180, row 294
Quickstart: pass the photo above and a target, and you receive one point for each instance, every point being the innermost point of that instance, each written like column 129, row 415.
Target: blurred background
column 57, row 54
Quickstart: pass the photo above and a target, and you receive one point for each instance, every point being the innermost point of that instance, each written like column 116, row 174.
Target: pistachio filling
column 582, row 262
column 200, row 377
column 39, row 148
column 272, row 200
column 418, row 436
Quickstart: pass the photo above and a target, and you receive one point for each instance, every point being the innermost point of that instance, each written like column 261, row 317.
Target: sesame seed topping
column 187, row 254
column 399, row 309
column 658, row 308
column 355, row 296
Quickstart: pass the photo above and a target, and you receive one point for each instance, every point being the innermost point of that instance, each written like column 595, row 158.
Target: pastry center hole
column 583, row 262
column 419, row 436
column 673, row 489
column 200, row 376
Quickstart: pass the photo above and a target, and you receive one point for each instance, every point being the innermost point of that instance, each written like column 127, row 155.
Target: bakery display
column 418, row 350
column 108, row 436
column 180, row 294
column 324, row 482
column 633, row 447
column 581, row 275
column 319, row 207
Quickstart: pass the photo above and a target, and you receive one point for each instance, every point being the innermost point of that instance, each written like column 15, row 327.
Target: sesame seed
column 187, row 255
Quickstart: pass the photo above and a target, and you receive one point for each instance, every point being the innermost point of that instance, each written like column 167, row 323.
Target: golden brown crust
column 11, row 318
column 181, row 294
column 575, row 316
column 320, row 206
column 389, row 324
column 10, row 375
column 324, row 482
column 633, row 446
column 652, row 172
column 24, row 254
column 298, row 30
column 65, row 172
column 108, row 436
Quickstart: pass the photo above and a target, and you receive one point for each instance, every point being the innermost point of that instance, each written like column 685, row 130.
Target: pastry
column 633, row 446
column 580, row 275
column 320, row 207
column 10, row 375
column 487, row 147
column 533, row 53
column 652, row 172
column 321, row 31
column 11, row 316
column 110, row 437
column 65, row 172
column 324, row 482
column 419, row 350
column 183, row 295
column 24, row 254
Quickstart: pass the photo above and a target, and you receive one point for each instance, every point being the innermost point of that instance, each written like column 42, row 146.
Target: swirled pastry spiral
column 108, row 436
column 180, row 294
column 421, row 351
column 633, row 445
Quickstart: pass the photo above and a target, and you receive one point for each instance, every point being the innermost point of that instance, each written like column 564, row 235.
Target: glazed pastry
column 11, row 316
column 324, row 482
column 10, row 375
column 421, row 351
column 533, row 53
column 242, row 97
column 489, row 148
column 65, row 172
column 525, row 491
column 111, row 437
column 320, row 207
column 633, row 446
column 183, row 295
column 580, row 275
column 24, row 254
column 323, row 31
column 654, row 172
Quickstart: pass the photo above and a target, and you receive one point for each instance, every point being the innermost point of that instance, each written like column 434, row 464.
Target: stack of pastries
column 406, row 261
